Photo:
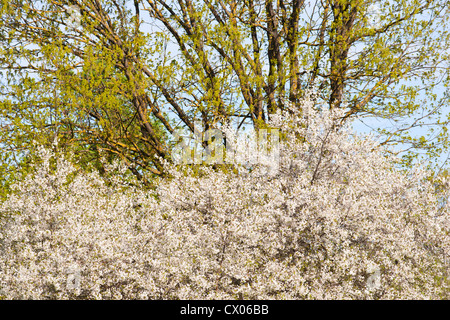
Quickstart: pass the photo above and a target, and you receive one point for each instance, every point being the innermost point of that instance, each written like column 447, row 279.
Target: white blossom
column 336, row 221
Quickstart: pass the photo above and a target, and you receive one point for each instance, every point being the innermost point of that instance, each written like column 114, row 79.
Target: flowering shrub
column 337, row 220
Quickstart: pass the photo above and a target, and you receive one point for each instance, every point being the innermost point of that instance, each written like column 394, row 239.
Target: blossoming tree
column 336, row 220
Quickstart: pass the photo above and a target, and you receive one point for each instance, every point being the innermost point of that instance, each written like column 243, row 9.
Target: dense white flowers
column 337, row 220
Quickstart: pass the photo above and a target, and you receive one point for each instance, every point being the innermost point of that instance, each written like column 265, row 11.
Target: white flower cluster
column 337, row 221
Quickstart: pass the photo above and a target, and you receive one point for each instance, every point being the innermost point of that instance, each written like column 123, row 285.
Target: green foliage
column 113, row 79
